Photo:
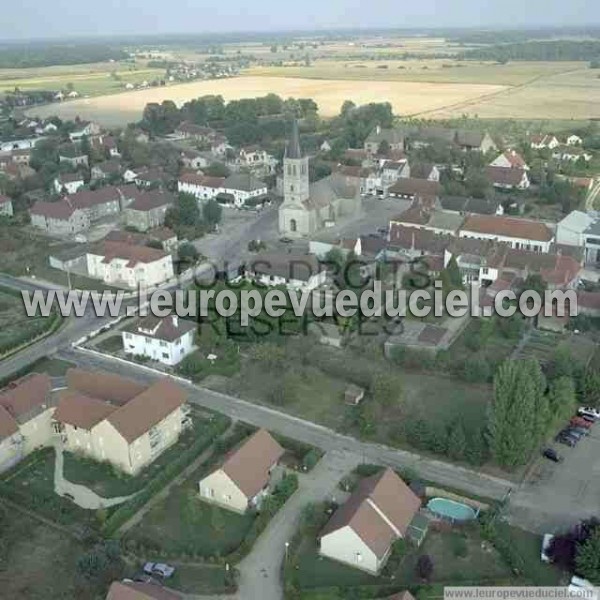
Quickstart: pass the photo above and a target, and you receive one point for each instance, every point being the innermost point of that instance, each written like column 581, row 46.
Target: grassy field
column 37, row 562
column 406, row 97
column 87, row 79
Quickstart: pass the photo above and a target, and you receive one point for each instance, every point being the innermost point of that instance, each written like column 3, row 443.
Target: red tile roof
column 133, row 590
column 89, row 198
column 103, row 385
column 79, row 410
column 8, row 425
column 25, row 395
column 508, row 227
column 201, row 180
column 131, row 253
column 61, row 210
column 505, row 176
column 146, row 201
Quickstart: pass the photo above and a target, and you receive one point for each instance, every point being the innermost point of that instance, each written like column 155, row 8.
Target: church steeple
column 293, row 148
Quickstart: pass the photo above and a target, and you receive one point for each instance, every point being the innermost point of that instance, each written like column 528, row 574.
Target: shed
column 354, row 395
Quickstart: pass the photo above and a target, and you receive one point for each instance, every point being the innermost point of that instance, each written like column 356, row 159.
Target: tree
column 457, row 442
column 562, row 398
column 188, row 253
column 101, row 565
column 515, row 394
column 217, row 169
column 188, row 211
column 384, row 148
column 424, row 567
column 212, row 212
column 591, row 387
column 347, row 107
column 587, row 559
column 385, row 388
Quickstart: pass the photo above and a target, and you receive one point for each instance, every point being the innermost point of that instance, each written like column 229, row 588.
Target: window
column 165, row 355
column 485, row 271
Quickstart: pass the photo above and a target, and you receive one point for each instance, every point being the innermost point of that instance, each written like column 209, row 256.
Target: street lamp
column 287, row 545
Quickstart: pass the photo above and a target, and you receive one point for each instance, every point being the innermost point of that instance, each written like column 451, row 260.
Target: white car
column 165, row 571
column 589, row 411
column 546, row 542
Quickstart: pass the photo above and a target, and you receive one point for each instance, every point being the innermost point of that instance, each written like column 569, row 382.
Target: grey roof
column 293, row 148
column 577, row 221
column 421, row 170
column 289, row 266
column 392, row 136
column 446, row 221
column 243, row 181
column 479, row 206
column 328, row 189
column 593, row 229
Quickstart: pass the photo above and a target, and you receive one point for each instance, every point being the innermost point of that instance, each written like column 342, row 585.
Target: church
column 307, row 208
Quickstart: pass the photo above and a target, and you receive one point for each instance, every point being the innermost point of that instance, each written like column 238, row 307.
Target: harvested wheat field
column 407, row 98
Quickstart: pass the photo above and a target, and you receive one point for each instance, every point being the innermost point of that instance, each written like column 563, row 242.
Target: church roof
column 325, row 191
column 293, row 148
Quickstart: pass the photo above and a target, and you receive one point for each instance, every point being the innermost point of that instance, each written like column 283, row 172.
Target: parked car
column 286, row 240
column 552, row 455
column 583, row 431
column 589, row 411
column 161, row 569
column 567, row 440
column 147, row 579
column 580, row 422
column 546, row 543
column 570, row 432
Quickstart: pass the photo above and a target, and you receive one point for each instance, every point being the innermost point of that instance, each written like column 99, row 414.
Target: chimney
column 175, row 321
column 378, row 129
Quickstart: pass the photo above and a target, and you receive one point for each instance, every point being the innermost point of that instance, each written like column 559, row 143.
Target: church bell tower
column 295, row 171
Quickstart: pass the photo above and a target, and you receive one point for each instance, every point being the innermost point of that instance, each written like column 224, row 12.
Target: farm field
column 406, row 97
column 87, row 79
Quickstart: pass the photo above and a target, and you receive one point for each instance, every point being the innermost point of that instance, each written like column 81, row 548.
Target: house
column 510, row 159
column 393, row 137
column 571, row 154
column 197, row 133
column 26, row 407
column 121, row 264
column 149, row 177
column 192, row 159
column 97, row 204
column 117, row 420
column 463, row 206
column 109, row 169
column 6, row 206
column 362, row 531
column 518, row 233
column 243, row 187
column 21, row 156
column 411, row 188
column 68, row 183
column 392, row 171
column 325, row 146
column 475, row 141
column 242, row 481
column 135, row 590
column 201, row 186
column 540, row 142
column 164, row 235
column 592, row 243
column 296, row 272
column 424, row 170
column 109, row 144
column 507, row 178
column 59, row 218
column 588, row 303
column 571, row 229
column 84, row 129
column 74, row 159
column 255, row 159
column 354, row 395
column 148, row 209
column 168, row 340
column 573, row 140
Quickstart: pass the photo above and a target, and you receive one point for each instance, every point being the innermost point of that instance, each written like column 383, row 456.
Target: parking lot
column 555, row 496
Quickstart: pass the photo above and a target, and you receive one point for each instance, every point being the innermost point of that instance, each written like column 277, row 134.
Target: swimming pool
column 451, row 510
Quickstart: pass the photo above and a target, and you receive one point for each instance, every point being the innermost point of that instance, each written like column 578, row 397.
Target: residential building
column 109, row 169
column 116, row 420
column 518, row 233
column 588, row 303
column 592, row 243
column 68, row 183
column 194, row 132
column 244, row 478
column 97, row 204
column 441, row 222
column 135, row 590
column 168, row 340
column 464, row 206
column 74, row 159
column 424, row 170
column 164, row 235
column 26, row 408
column 59, row 218
column 148, row 209
column 256, row 160
column 508, row 178
column 21, row 156
column 306, row 207
column 510, row 159
column 407, row 187
column 201, row 186
column 243, row 187
column 461, row 139
column 84, row 129
column 121, row 264
column 540, row 142
column 573, row 140
column 392, row 171
column 192, row 159
column 570, row 231
column 362, row 531
column 394, row 138
column 6, row 206
column 571, row 153
column 149, row 177
column 296, row 272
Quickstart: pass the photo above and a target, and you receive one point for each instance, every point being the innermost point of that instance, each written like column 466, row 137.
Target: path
column 521, row 344
column 81, row 495
column 592, row 197
column 260, row 571
column 156, row 498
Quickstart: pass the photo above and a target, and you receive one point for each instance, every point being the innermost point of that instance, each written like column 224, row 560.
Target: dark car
column 567, row 440
column 570, row 432
column 580, row 430
column 552, row 455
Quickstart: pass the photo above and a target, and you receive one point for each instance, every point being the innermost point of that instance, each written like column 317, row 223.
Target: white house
column 521, row 234
column 121, row 264
column 167, row 340
column 59, row 218
column 296, row 272
column 571, row 153
column 6, row 207
column 68, row 182
column 241, row 187
column 573, row 140
column 201, row 186
column 510, row 159
column 540, row 142
column 508, row 178
column 242, row 481
column 570, row 230
column 362, row 531
column 84, row 128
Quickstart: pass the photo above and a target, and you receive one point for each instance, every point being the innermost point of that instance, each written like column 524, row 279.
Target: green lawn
column 109, row 482
column 202, row 579
column 111, row 344
column 54, row 367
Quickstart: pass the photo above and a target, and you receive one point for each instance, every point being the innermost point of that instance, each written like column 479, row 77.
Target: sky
column 26, row 19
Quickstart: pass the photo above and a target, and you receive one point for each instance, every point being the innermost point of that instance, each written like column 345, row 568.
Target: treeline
column 544, row 50
column 41, row 55
column 490, row 36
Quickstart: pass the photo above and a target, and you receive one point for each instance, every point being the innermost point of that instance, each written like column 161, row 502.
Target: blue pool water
column 449, row 509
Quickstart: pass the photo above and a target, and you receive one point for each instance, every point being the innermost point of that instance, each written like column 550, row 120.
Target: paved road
column 260, row 571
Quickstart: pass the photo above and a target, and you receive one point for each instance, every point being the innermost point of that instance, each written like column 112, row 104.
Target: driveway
column 555, row 496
